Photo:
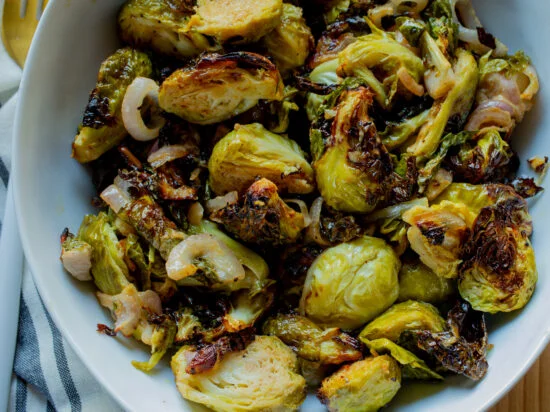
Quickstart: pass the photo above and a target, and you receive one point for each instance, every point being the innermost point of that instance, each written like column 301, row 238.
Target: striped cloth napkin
column 47, row 374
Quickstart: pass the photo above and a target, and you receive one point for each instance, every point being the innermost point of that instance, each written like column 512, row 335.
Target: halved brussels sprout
column 438, row 234
column 380, row 51
column 219, row 87
column 264, row 376
column 363, row 386
column 413, row 366
column 250, row 151
column 291, row 41
column 161, row 25
column 102, row 127
column 351, row 283
column 236, row 21
column 109, row 270
column 263, row 218
column 454, row 106
column 310, row 342
column 402, row 317
column 418, row 282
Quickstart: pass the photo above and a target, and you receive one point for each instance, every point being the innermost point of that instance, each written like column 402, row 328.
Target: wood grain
column 532, row 393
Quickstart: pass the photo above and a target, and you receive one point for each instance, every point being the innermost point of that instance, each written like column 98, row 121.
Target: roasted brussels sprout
column 161, row 25
column 507, row 89
column 236, row 21
column 352, row 166
column 291, row 41
column 250, row 151
column 462, row 348
column 438, row 234
column 418, row 282
column 310, row 342
column 454, row 107
column 109, row 271
column 487, row 158
column 413, row 366
column 380, row 51
column 102, row 127
column 363, row 386
column 351, row 283
column 499, row 272
column 324, row 75
column 263, row 218
column 219, row 87
column 402, row 317
column 264, row 376
column 397, row 134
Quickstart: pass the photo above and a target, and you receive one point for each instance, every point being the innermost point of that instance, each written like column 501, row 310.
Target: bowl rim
column 18, row 153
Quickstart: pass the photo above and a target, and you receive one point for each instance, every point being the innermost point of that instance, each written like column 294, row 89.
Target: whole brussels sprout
column 454, row 106
column 310, row 342
column 413, row 366
column 250, row 151
column 236, row 21
column 351, row 283
column 102, row 127
column 380, row 51
column 363, row 386
column 264, row 376
column 402, row 317
column 161, row 25
column 264, row 218
column 291, row 41
column 418, row 282
column 219, row 87
column 351, row 173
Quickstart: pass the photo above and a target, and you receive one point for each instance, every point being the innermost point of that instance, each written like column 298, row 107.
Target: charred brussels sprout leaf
column 402, row 317
column 161, row 25
column 351, row 283
column 236, row 21
column 310, row 342
column 102, row 127
column 164, row 332
column 109, row 270
column 418, row 282
column 250, row 151
column 263, row 217
column 264, row 376
column 219, row 87
column 413, row 366
column 291, row 41
column 411, row 29
column 363, row 386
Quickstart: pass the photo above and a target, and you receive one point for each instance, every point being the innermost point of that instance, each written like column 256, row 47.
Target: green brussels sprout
column 162, row 27
column 102, row 127
column 437, row 234
column 263, row 218
column 418, row 282
column 454, row 106
column 324, row 74
column 291, row 41
column 411, row 29
column 382, row 52
column 363, row 386
column 236, row 21
column 76, row 256
column 250, row 151
column 401, row 317
column 397, row 134
column 245, row 309
column 413, row 366
column 310, row 342
column 264, row 376
column 109, row 270
column 507, row 90
column 334, row 8
column 350, row 284
column 162, row 339
column 219, row 87
column 487, row 158
column 350, row 172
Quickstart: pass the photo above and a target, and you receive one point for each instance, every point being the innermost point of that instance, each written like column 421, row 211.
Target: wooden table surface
column 532, row 393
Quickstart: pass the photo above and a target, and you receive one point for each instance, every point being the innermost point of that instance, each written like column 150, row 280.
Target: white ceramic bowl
column 53, row 191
